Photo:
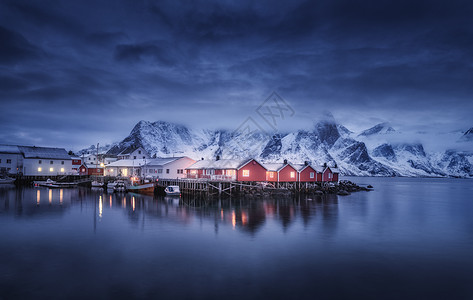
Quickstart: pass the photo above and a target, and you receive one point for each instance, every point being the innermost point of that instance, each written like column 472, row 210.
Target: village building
column 329, row 174
column 228, row 169
column 44, row 161
column 167, row 167
column 133, row 152
column 125, row 167
column 86, row 169
column 76, row 163
column 281, row 172
column 11, row 160
column 307, row 173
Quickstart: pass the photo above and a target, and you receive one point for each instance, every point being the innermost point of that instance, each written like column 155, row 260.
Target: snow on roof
column 44, row 152
column 129, row 150
column 127, row 163
column 334, row 170
column 319, row 169
column 300, row 167
column 160, row 161
column 218, row 164
column 274, row 167
column 9, row 149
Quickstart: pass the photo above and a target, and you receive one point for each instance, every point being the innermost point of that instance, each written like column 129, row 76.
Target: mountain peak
column 381, row 128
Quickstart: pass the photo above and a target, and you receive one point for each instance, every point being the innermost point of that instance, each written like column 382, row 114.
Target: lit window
column 246, row 173
column 51, row 169
column 311, row 174
column 293, row 174
column 271, row 175
column 40, row 169
column 193, row 172
column 62, row 170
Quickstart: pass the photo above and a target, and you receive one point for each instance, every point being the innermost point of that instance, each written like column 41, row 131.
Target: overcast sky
column 74, row 73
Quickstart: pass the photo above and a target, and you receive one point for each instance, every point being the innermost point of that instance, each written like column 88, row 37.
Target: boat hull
column 147, row 188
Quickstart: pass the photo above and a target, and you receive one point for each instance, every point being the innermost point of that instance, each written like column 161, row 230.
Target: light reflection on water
column 409, row 239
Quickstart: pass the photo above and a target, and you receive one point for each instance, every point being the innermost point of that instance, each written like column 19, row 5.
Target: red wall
column 275, row 176
column 76, row 162
column 319, row 177
column 257, row 172
column 285, row 174
column 305, row 175
column 334, row 176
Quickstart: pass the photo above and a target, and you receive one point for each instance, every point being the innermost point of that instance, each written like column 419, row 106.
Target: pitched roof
column 160, row 161
column 44, row 152
column 274, row 167
column 301, row 167
column 129, row 150
column 127, row 163
column 9, row 149
column 221, row 164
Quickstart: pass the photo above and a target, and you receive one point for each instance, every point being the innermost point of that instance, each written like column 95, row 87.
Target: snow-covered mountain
column 369, row 153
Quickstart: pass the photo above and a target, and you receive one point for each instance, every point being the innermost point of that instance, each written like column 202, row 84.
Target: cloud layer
column 73, row 74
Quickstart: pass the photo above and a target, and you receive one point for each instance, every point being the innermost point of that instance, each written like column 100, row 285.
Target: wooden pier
column 234, row 188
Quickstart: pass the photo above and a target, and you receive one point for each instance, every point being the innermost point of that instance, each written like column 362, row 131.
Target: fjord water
column 407, row 239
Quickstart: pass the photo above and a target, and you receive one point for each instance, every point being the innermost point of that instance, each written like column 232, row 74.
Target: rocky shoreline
column 343, row 188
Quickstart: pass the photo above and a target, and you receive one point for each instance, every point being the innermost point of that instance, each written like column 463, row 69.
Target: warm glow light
column 101, row 164
column 51, row 169
column 39, row 170
column 244, row 218
column 50, row 196
column 246, row 173
column 193, row 172
column 62, row 170
column 38, row 196
column 233, row 219
column 110, row 201
column 221, row 214
column 100, row 206
column 124, row 202
column 124, row 172
column 133, row 203
column 60, row 196
column 293, row 174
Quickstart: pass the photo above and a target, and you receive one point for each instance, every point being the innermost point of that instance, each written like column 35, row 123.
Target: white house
column 11, row 159
column 125, row 167
column 167, row 167
column 133, row 153
column 43, row 161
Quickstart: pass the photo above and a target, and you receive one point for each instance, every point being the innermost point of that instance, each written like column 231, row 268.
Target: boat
column 119, row 186
column 172, row 190
column 97, row 184
column 54, row 184
column 146, row 188
column 7, row 180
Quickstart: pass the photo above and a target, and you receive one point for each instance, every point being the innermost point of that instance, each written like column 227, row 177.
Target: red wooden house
column 85, row 170
column 251, row 170
column 329, row 174
column 307, row 173
column 281, row 172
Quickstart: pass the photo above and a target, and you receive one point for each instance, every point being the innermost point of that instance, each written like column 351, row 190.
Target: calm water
column 407, row 239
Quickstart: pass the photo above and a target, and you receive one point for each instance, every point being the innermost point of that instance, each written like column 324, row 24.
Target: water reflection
column 248, row 216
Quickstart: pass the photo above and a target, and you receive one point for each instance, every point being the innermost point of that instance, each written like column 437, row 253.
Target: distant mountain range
column 326, row 142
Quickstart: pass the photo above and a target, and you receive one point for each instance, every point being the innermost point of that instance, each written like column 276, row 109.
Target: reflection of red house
column 85, row 170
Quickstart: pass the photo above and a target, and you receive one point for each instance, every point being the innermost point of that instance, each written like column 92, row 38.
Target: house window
column 246, row 173
column 62, row 170
column 8, row 161
column 62, row 162
column 271, row 174
column 160, row 171
column 144, row 157
column 39, row 161
column 90, row 158
column 329, row 175
column 51, row 162
column 0, row 161
column 311, row 174
column 94, row 158
column 134, row 157
column 139, row 152
column 293, row 174
column 51, row 169
column 167, row 171
column 40, row 169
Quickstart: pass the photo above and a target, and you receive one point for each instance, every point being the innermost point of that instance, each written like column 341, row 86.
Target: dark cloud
column 15, row 48
column 108, row 64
